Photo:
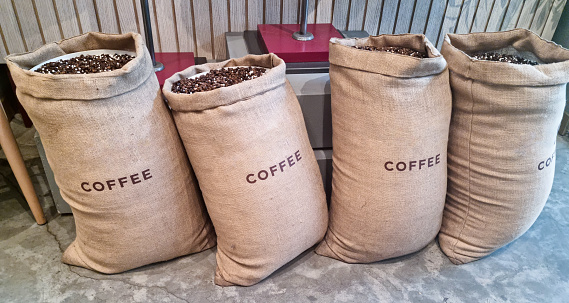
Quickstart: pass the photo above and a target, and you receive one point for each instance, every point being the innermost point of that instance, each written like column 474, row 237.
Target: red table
column 277, row 39
column 173, row 63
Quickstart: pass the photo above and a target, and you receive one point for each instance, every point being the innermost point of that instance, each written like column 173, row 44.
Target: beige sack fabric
column 390, row 119
column 116, row 156
column 501, row 154
column 257, row 172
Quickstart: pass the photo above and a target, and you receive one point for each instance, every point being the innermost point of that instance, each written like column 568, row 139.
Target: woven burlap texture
column 116, row 156
column 255, row 166
column 501, row 156
column 390, row 119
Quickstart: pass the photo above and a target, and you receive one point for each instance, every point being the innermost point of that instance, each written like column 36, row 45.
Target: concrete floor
column 534, row 268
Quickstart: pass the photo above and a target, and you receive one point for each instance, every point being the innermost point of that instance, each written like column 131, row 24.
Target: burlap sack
column 390, row 119
column 258, row 174
column 116, row 157
column 501, row 154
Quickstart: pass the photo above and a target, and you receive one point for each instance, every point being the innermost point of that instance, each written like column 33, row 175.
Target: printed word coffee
column 413, row 164
column 290, row 161
column 118, row 182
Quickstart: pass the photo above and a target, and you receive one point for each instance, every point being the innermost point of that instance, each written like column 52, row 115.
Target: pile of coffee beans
column 394, row 50
column 86, row 64
column 504, row 58
column 217, row 78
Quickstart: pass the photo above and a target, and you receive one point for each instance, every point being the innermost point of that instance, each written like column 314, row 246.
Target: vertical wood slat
column 421, row 16
column 107, row 16
column 435, row 21
column 497, row 15
column 220, row 27
column 451, row 17
column 166, row 26
column 404, row 14
column 272, row 11
column 482, row 16
column 324, row 11
column 48, row 20
column 512, row 15
column 126, row 16
column 254, row 14
column 373, row 16
column 553, row 19
column 529, row 7
column 12, row 36
column 138, row 14
column 203, row 29
column 339, row 19
column 185, row 27
column 467, row 14
column 69, row 22
column 540, row 16
column 311, row 12
column 357, row 14
column 85, row 14
column 238, row 15
column 29, row 24
column 388, row 18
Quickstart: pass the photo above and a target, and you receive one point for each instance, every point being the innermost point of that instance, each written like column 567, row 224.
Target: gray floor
column 534, row 268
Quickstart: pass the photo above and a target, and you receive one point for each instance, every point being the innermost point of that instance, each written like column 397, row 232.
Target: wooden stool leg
column 10, row 147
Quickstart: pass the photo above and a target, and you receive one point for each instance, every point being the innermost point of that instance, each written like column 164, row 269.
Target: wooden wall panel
column 87, row 19
column 451, row 17
column 272, row 11
column 237, row 15
column 127, row 16
column 512, row 15
column 468, row 11
column 421, row 16
column 65, row 12
column 199, row 25
column 185, row 27
column 12, row 37
column 357, row 15
column 107, row 16
column 203, row 29
column 220, row 27
column 404, row 15
column 526, row 16
column 167, row 27
column 324, row 10
column 388, row 16
column 497, row 14
column 540, row 16
column 31, row 34
column 553, row 19
column 340, row 14
column 254, row 13
column 373, row 17
column 436, row 17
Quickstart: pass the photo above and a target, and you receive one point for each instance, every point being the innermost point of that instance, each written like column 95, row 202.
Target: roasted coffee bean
column 217, row 78
column 503, row 58
column 86, row 64
column 394, row 50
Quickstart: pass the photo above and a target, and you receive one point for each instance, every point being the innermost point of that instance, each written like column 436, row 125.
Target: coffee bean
column 86, row 64
column 217, row 78
column 394, row 50
column 503, row 58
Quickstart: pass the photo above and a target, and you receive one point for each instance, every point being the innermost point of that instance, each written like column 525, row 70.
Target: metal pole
column 148, row 35
column 303, row 34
